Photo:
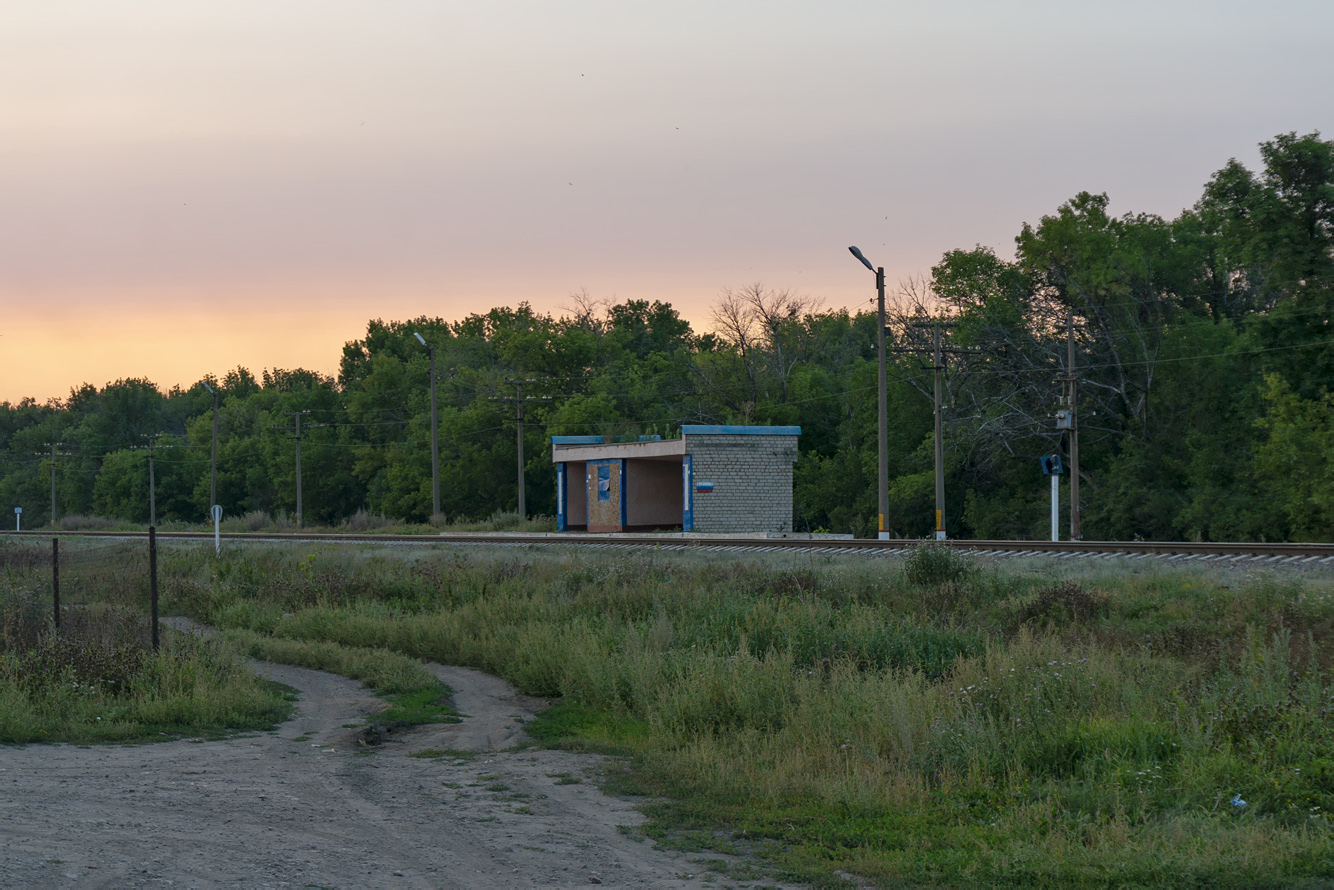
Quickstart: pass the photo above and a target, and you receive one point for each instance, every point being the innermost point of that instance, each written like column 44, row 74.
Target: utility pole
column 940, row 439
column 152, row 482
column 938, row 353
column 435, row 443
column 54, row 454
column 519, row 401
column 297, row 416
column 1072, row 394
column 53, row 484
column 213, row 463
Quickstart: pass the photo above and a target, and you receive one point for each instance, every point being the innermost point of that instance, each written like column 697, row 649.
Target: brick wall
column 752, row 482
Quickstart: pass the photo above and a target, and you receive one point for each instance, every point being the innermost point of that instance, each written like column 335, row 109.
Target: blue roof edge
column 576, row 440
column 740, row 430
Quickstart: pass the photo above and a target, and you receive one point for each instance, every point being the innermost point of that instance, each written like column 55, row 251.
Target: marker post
column 217, row 529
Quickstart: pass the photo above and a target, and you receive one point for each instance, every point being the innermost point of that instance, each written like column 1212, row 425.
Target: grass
column 64, row 690
column 929, row 721
column 416, row 697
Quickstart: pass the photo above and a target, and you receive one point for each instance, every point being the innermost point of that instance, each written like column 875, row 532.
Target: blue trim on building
column 687, row 496
column 740, row 430
column 625, row 501
column 562, row 496
column 576, row 440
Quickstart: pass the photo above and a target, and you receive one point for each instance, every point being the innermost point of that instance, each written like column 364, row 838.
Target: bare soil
column 310, row 805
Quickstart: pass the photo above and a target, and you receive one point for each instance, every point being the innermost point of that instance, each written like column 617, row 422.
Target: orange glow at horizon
column 44, row 355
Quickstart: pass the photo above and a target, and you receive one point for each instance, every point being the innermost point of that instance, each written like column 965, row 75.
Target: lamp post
column 435, row 445
column 883, row 489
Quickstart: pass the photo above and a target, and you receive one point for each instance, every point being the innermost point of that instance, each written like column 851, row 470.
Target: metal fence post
column 152, row 579
column 55, row 580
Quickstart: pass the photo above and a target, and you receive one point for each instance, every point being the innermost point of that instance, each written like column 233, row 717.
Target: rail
column 1286, row 552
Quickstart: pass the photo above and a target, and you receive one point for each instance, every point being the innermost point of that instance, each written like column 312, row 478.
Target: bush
column 929, row 565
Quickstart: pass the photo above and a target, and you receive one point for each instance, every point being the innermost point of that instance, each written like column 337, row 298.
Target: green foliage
column 83, row 664
column 934, row 564
column 1201, row 344
column 71, row 690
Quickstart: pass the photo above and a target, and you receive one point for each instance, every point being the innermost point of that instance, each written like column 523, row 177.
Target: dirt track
column 308, row 806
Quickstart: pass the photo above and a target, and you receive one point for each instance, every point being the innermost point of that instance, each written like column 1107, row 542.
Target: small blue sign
column 1051, row 465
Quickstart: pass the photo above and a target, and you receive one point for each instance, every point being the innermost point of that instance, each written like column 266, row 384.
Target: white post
column 1055, row 506
column 217, row 529
column 18, row 519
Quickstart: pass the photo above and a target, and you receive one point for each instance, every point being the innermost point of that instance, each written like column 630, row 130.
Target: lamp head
column 207, row 387
column 420, row 338
column 865, row 262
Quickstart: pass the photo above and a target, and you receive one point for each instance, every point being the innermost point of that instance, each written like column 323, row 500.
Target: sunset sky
column 189, row 186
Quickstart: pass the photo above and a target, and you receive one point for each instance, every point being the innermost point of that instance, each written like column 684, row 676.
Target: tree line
column 1202, row 350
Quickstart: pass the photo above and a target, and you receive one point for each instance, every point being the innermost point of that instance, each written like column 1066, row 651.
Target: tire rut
column 308, row 805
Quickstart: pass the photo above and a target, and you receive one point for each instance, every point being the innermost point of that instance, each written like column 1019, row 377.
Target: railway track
column 1308, row 554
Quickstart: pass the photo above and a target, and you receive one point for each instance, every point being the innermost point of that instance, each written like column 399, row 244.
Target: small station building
column 721, row 479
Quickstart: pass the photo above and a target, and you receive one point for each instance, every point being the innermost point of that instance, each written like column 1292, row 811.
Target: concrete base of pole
column 884, row 536
column 940, row 536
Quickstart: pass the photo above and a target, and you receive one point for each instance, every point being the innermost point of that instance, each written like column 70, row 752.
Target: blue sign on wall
column 604, row 482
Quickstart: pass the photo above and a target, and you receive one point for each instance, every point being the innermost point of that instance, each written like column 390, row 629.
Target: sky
column 187, row 187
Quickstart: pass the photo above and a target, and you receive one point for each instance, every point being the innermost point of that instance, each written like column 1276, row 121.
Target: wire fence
column 97, row 591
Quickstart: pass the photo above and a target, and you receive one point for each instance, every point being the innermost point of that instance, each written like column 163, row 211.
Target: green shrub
column 932, row 564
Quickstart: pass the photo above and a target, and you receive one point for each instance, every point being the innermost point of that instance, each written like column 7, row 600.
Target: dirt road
column 308, row 806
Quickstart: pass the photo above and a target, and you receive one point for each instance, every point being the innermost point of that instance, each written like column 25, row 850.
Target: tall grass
column 930, row 721
column 97, row 678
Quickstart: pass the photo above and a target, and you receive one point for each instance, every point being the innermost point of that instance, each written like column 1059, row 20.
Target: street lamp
column 435, row 446
column 884, row 411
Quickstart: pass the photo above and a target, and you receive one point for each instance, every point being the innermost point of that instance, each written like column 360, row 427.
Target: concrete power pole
column 152, row 482
column 213, row 462
column 1076, row 532
column 297, row 415
column 938, row 352
column 883, row 419
column 523, row 506
column 882, row 406
column 54, row 454
column 939, row 369
column 519, row 401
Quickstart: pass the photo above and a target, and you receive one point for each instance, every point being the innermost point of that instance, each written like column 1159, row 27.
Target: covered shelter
column 720, row 479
